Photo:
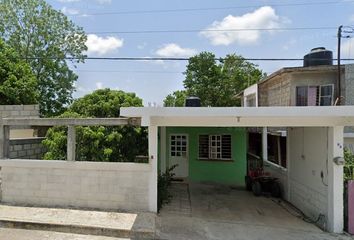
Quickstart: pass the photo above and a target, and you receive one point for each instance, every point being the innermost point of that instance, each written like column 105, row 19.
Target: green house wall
column 225, row 172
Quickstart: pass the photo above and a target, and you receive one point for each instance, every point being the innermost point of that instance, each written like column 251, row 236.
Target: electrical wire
column 214, row 30
column 170, row 59
column 209, row 9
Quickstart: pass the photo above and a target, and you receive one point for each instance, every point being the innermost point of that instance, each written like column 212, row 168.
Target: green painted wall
column 232, row 172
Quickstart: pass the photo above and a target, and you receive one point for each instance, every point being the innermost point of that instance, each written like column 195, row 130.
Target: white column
column 335, row 180
column 288, row 167
column 163, row 149
column 153, row 144
column 71, row 144
column 265, row 143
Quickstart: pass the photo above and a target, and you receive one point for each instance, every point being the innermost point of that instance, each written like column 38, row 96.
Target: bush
column 349, row 165
column 163, row 183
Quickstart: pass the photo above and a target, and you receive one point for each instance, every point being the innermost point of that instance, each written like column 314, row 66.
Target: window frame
column 215, row 152
column 183, row 153
column 319, row 95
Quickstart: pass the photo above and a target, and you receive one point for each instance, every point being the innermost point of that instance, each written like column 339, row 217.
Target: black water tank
column 192, row 102
column 318, row 56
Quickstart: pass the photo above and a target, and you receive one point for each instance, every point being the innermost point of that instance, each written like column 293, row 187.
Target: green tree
column 216, row 84
column 18, row 85
column 101, row 143
column 176, row 99
column 44, row 37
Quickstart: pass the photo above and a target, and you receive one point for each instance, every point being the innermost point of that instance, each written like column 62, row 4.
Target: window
column 251, row 100
column 215, row 147
column 277, row 150
column 178, row 145
column 314, row 95
column 326, row 95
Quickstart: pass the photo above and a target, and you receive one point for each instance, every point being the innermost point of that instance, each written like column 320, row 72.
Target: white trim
column 243, row 117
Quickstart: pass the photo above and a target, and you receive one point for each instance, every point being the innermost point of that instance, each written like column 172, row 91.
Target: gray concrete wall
column 349, row 84
column 275, row 91
column 309, row 153
column 19, row 111
column 27, row 148
column 101, row 185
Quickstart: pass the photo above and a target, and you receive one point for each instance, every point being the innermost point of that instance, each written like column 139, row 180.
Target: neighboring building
column 314, row 84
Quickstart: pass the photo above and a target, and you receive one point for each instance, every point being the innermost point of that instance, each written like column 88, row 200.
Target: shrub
column 349, row 165
column 163, row 183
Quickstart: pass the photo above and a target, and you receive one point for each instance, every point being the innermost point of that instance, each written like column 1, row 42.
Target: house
column 313, row 179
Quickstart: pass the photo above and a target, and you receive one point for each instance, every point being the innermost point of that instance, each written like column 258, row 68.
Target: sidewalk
column 114, row 224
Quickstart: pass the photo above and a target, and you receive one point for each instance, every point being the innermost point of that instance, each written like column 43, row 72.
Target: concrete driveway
column 205, row 211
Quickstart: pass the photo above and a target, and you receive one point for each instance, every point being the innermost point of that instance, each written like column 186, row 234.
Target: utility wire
column 213, row 30
column 172, row 59
column 210, row 9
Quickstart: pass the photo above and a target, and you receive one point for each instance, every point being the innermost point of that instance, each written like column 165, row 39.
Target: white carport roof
column 243, row 116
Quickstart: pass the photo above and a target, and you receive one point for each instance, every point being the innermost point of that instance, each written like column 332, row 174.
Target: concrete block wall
column 19, row 111
column 27, row 148
column 99, row 185
column 275, row 92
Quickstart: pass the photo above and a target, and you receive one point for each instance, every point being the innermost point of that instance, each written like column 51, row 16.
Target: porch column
column 163, row 149
column 335, row 180
column 153, row 144
column 71, row 143
column 264, row 144
column 4, row 141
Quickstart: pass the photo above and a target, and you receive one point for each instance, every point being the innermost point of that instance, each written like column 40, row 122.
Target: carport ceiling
column 243, row 117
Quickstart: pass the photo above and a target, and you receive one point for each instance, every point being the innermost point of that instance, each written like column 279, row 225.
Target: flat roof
column 243, row 116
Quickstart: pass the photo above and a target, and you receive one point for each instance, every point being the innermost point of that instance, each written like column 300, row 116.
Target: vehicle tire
column 248, row 182
column 275, row 190
column 257, row 188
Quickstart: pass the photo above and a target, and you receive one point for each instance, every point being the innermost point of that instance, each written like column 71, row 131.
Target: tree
column 101, row 143
column 44, row 37
column 216, row 84
column 176, row 99
column 18, row 85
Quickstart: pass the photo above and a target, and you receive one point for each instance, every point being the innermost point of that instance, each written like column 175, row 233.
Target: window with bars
column 215, row 147
column 314, row 95
column 178, row 145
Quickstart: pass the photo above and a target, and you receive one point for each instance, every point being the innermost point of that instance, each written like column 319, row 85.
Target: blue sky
column 152, row 81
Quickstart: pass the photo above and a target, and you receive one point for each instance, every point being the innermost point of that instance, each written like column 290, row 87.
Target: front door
column 179, row 154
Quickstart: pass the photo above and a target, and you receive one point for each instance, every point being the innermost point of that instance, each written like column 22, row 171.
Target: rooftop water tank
column 318, row 56
column 192, row 102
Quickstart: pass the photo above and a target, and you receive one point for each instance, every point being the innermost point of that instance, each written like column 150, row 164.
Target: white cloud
column 99, row 85
column 174, row 50
column 69, row 11
column 102, row 45
column 264, row 17
column 347, row 49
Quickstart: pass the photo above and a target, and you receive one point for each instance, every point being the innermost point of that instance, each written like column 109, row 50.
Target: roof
column 320, row 68
column 243, row 116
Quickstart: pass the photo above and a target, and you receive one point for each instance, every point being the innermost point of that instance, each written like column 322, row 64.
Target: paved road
column 20, row 234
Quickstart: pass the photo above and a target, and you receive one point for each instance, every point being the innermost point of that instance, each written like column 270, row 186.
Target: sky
column 192, row 26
